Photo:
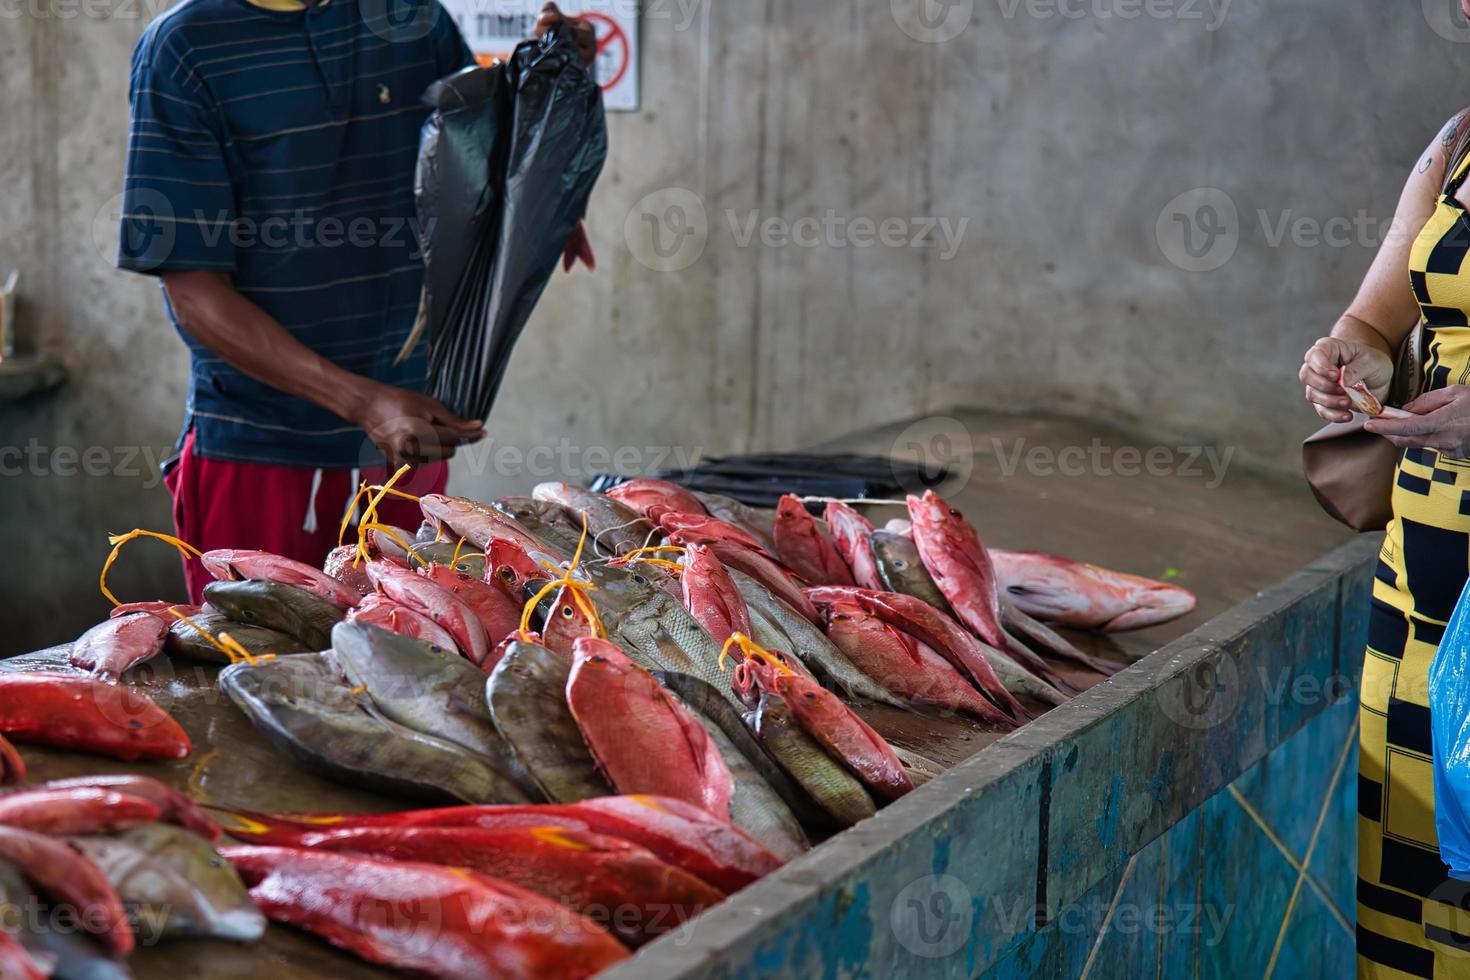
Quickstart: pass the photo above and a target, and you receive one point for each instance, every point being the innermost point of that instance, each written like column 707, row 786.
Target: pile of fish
column 125, row 859
column 638, row 702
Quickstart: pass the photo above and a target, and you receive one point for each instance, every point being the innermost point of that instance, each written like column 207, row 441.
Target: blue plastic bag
column 1449, row 714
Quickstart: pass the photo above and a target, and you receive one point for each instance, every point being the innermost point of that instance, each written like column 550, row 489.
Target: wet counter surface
column 1029, row 484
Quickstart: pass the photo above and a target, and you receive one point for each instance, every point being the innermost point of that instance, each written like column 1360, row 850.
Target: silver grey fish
column 306, row 710
column 653, row 628
column 760, row 526
column 833, row 788
column 528, row 703
column 469, row 561
column 277, row 606
column 614, row 527
column 902, row 570
column 176, row 883
column 1043, row 639
column 558, row 526
column 810, row 644
column 715, row 713
column 186, row 641
column 431, row 691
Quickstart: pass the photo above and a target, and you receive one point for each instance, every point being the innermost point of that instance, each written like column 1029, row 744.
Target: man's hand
column 1319, row 369
column 408, row 427
column 1441, row 421
column 551, row 15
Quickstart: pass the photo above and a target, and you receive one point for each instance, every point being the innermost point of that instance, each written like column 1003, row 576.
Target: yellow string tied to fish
column 640, row 555
column 224, row 643
column 118, row 540
column 391, row 534
column 752, row 651
column 454, row 559
column 578, row 591
column 370, row 515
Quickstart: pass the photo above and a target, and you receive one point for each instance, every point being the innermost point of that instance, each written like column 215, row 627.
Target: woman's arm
column 1367, row 336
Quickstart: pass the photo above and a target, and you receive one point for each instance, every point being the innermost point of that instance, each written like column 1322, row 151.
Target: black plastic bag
column 507, row 161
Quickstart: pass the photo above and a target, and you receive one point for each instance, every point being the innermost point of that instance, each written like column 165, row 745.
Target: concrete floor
column 1225, row 538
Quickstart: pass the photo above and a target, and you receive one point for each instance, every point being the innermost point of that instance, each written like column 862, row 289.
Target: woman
column 1421, row 270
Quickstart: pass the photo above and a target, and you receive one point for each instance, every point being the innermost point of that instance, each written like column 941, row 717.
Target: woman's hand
column 1440, row 420
column 1321, row 364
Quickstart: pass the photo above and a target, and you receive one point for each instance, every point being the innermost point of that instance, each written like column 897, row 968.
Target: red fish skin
column 113, row 646
column 850, row 531
column 12, row 766
column 667, row 753
column 378, row 610
column 74, row 812
column 951, row 551
column 923, row 622
column 157, row 607
column 654, row 498
column 765, row 571
column 678, row 833
column 497, row 613
column 850, row 739
column 425, row 597
column 174, row 807
column 601, row 877
column 566, row 624
column 803, row 547
column 477, row 523
column 511, row 568
column 423, row 918
column 75, row 711
column 227, row 564
column 711, row 596
column 901, row 663
column 704, row 529
column 1084, row 596
column 70, row 878
column 15, row 962
column 342, row 565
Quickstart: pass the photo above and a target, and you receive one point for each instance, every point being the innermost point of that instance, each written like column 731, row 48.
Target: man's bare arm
column 406, row 426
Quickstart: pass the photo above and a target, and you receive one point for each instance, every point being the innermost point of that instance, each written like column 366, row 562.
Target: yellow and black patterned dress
column 1408, row 925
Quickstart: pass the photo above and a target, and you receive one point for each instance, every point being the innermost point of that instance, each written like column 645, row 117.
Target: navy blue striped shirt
column 277, row 143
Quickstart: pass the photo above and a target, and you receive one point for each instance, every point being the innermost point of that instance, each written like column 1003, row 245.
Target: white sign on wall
column 492, row 29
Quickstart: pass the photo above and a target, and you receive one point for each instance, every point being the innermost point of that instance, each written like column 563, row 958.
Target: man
column 269, row 185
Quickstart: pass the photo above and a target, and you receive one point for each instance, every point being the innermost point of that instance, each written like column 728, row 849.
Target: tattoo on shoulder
column 1424, row 164
column 1451, row 130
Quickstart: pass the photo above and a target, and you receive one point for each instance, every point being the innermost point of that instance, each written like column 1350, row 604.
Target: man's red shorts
column 220, row 504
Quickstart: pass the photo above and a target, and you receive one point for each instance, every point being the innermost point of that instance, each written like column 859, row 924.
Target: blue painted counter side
column 1186, row 795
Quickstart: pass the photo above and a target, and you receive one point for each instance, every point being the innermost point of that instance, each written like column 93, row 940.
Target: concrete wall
column 1057, row 131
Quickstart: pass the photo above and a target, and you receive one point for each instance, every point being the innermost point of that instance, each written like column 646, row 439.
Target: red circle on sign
column 608, row 33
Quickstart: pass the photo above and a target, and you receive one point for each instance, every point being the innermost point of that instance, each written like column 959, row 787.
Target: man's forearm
column 214, row 313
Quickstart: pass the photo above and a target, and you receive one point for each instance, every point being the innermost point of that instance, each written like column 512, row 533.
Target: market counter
column 987, row 867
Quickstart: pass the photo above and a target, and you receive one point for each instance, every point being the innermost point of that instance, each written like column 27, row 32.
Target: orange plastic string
column 578, row 591
column 118, row 540
column 753, row 651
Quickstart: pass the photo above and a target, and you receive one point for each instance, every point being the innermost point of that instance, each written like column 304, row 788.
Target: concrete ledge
column 1031, row 823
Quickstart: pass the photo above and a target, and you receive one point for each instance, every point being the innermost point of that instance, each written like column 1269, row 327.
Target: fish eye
column 639, row 579
column 566, row 612
column 900, row 564
column 954, row 513
column 506, row 575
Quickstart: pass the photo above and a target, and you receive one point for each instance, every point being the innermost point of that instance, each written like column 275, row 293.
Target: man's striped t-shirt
column 277, row 142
